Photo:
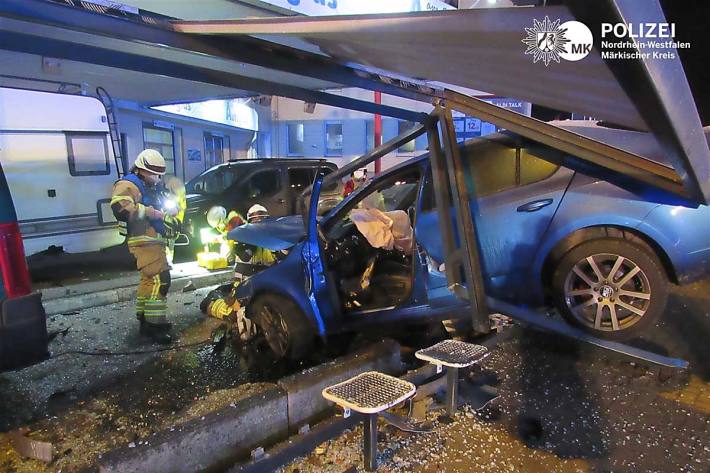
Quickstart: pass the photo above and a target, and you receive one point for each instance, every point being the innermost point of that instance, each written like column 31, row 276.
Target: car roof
column 309, row 161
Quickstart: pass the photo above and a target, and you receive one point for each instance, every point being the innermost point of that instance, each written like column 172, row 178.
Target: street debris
column 190, row 286
column 30, row 448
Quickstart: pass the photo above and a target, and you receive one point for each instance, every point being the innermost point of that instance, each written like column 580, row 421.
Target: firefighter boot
column 158, row 333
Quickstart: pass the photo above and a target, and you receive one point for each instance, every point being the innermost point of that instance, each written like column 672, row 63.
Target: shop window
column 334, row 139
column 370, row 135
column 403, row 127
column 295, row 139
column 163, row 141
column 88, row 154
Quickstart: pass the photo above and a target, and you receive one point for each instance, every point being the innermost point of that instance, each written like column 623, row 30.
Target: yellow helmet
column 152, row 161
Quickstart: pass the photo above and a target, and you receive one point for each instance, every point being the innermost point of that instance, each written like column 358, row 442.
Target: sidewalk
column 121, row 286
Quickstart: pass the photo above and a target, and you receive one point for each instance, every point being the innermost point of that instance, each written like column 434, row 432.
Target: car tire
column 614, row 306
column 283, row 325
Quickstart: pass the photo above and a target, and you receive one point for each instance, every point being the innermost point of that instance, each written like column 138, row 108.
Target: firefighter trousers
column 151, row 297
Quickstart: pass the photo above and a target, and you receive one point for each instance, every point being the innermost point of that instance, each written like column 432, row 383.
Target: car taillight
column 15, row 274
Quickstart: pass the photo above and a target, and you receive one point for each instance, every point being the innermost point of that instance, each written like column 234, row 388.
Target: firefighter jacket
column 135, row 205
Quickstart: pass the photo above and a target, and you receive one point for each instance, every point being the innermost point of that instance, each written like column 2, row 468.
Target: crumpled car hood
column 276, row 233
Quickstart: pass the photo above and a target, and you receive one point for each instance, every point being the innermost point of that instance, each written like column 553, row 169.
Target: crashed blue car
column 603, row 254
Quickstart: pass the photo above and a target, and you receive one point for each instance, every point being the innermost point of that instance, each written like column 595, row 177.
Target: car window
column 489, row 166
column 214, row 181
column 264, row 184
column 300, row 178
column 399, row 194
column 534, row 169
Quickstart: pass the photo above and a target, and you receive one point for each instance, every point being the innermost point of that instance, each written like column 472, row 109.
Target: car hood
column 277, row 233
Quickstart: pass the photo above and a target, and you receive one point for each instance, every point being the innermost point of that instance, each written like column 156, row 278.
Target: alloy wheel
column 607, row 292
column 275, row 329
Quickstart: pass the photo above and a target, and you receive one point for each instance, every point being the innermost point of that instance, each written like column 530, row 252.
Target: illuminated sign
column 357, row 7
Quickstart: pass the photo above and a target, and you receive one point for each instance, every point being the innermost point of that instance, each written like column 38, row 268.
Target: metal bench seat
column 369, row 393
column 453, row 354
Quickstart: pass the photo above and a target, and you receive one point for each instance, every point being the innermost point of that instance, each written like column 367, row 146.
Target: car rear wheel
column 610, row 287
column 283, row 325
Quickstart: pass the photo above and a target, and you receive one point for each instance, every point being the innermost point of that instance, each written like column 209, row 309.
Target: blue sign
column 194, row 155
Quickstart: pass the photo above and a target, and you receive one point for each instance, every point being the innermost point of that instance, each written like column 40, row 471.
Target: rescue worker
column 254, row 258
column 134, row 201
column 176, row 203
column 218, row 219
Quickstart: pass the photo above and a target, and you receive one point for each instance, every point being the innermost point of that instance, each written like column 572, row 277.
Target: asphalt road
column 563, row 406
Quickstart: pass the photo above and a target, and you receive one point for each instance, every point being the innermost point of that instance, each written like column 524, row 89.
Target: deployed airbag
column 385, row 230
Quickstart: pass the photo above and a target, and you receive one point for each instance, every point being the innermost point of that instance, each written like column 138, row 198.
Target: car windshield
column 214, row 181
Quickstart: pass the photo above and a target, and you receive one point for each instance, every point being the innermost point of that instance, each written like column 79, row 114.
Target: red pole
column 378, row 132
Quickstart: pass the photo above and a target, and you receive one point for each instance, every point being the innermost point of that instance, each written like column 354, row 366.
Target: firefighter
column 218, row 219
column 254, row 258
column 134, row 202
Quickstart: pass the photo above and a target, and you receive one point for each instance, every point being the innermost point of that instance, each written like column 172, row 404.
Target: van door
column 266, row 187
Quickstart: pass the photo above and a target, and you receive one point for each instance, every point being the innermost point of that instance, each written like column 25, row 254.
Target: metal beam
column 591, row 150
column 135, row 62
column 243, row 49
column 658, row 89
column 379, row 152
column 468, row 236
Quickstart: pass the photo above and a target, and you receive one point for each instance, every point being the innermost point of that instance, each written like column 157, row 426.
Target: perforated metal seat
column 369, row 393
column 453, row 354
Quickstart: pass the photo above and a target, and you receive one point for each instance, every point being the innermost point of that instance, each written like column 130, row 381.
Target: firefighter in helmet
column 223, row 222
column 254, row 258
column 135, row 204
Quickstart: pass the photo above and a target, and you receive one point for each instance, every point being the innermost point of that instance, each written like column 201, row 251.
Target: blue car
column 603, row 254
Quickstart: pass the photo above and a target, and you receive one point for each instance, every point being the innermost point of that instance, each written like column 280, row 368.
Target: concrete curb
column 120, row 294
column 226, row 436
column 218, row 438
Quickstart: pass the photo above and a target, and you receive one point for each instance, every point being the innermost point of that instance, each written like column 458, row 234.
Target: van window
column 534, row 169
column 491, row 165
column 264, row 184
column 87, row 154
column 214, row 181
column 300, row 178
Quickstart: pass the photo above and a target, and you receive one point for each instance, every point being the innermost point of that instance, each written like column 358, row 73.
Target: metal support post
column 452, row 390
column 468, row 239
column 370, row 442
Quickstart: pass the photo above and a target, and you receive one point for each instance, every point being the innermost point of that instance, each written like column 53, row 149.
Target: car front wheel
column 283, row 325
column 610, row 287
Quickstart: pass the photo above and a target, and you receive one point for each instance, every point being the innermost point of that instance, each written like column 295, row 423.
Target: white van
column 58, row 159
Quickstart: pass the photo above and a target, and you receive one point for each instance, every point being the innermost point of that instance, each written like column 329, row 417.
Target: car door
column 516, row 195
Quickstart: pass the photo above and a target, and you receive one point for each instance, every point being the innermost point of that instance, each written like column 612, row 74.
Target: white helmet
column 257, row 212
column 152, row 161
column 216, row 216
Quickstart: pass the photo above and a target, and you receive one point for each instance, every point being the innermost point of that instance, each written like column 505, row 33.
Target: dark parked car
column 604, row 254
column 274, row 183
column 23, row 324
